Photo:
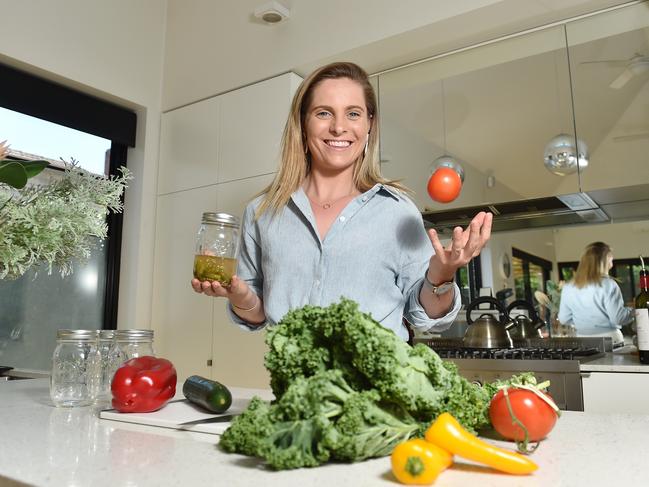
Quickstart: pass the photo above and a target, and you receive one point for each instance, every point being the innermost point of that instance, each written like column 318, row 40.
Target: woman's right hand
column 238, row 292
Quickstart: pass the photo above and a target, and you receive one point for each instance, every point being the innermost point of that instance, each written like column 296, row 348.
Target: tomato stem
column 522, row 445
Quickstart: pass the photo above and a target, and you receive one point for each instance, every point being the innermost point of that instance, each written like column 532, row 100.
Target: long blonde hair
column 295, row 164
column 593, row 264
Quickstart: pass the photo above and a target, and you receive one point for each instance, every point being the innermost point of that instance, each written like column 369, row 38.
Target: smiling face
column 336, row 124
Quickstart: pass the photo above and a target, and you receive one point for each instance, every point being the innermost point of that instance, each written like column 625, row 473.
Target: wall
column 230, row 48
column 628, row 240
column 113, row 50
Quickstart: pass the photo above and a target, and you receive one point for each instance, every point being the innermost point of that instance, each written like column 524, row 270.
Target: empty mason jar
column 217, row 246
column 74, row 368
column 128, row 344
column 104, row 371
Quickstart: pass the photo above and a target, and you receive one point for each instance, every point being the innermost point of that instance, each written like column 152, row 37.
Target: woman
column 330, row 225
column 592, row 301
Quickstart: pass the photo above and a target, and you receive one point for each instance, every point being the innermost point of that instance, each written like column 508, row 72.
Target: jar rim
column 69, row 334
column 133, row 335
column 223, row 218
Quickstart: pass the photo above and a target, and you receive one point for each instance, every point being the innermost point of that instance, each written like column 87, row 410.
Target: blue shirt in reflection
column 595, row 308
column 376, row 253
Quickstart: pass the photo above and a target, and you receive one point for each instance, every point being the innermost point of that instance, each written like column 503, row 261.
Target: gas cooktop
column 559, row 348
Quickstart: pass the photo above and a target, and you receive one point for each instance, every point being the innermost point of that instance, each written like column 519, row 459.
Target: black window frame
column 38, row 97
column 528, row 259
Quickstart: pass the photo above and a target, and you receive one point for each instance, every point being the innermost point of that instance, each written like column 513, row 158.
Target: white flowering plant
column 54, row 224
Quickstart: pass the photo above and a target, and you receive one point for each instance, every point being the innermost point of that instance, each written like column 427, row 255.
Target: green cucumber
column 208, row 394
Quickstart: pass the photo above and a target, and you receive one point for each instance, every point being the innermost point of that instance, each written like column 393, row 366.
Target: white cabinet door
column 615, row 392
column 181, row 318
column 189, row 147
column 237, row 354
column 251, row 125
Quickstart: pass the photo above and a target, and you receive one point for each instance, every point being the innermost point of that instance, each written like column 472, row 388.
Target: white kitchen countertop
column 43, row 445
column 623, row 359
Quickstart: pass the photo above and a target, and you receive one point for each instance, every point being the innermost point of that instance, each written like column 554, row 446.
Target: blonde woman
column 330, row 225
column 592, row 301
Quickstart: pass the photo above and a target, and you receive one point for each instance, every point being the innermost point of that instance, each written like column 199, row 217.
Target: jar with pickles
column 217, row 245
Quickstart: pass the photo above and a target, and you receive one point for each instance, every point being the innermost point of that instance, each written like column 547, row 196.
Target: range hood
column 601, row 206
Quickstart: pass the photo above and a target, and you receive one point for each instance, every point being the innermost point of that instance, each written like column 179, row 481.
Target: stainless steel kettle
column 487, row 331
column 525, row 327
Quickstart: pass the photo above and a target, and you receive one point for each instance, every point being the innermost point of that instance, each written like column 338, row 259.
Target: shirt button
column 364, row 198
column 317, row 282
column 342, row 218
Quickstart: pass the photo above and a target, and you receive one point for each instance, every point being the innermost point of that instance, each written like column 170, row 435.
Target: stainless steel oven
column 555, row 359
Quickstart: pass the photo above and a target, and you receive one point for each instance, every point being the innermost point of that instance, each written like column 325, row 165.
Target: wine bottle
column 642, row 316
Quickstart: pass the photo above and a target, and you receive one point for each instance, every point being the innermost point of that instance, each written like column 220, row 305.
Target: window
column 469, row 280
column 44, row 120
column 530, row 274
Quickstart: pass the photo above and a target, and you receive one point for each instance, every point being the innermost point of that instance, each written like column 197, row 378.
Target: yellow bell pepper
column 448, row 434
column 417, row 462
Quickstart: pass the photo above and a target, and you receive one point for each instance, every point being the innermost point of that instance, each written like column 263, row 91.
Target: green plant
column 52, row 224
column 16, row 173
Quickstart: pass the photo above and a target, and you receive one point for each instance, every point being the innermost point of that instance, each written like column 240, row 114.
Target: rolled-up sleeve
column 416, row 314
column 416, row 255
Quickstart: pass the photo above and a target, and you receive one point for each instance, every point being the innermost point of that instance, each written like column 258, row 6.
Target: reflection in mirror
column 502, row 103
column 563, row 247
column 609, row 60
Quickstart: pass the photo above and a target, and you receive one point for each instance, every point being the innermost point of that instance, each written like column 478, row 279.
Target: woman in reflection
column 592, row 301
column 330, row 225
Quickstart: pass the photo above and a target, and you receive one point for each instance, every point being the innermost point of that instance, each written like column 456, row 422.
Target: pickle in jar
column 214, row 268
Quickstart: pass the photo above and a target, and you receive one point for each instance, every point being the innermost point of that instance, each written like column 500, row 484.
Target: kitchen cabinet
column 494, row 108
column 615, row 392
column 189, row 147
column 215, row 155
column 181, row 319
column 251, row 124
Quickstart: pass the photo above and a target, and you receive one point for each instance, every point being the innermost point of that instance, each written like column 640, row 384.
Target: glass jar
column 217, row 245
column 128, row 344
column 74, row 368
column 105, row 374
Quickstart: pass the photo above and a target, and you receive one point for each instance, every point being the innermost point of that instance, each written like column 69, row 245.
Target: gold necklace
column 329, row 204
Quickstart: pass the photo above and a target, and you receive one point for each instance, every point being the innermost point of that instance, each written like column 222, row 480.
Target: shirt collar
column 300, row 196
column 394, row 192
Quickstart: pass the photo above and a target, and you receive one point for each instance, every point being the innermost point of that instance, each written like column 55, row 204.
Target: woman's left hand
column 464, row 246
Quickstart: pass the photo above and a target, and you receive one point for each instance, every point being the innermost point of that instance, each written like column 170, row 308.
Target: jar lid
column 106, row 334
column 133, row 335
column 223, row 218
column 77, row 334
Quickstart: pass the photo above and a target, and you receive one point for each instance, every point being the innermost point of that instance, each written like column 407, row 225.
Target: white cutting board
column 179, row 410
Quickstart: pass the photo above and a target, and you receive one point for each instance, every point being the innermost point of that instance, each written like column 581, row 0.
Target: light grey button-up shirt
column 594, row 308
column 376, row 253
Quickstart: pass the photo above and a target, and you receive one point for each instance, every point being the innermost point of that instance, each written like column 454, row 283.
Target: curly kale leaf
column 347, row 388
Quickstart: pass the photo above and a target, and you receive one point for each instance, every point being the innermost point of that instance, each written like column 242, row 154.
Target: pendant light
column 447, row 175
column 562, row 156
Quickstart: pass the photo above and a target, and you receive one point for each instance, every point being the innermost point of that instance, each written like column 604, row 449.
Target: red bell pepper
column 143, row 384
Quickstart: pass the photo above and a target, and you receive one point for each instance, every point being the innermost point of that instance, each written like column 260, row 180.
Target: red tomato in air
column 537, row 415
column 444, row 185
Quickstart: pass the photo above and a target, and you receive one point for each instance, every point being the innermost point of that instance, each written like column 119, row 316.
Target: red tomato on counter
column 444, row 185
column 536, row 414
